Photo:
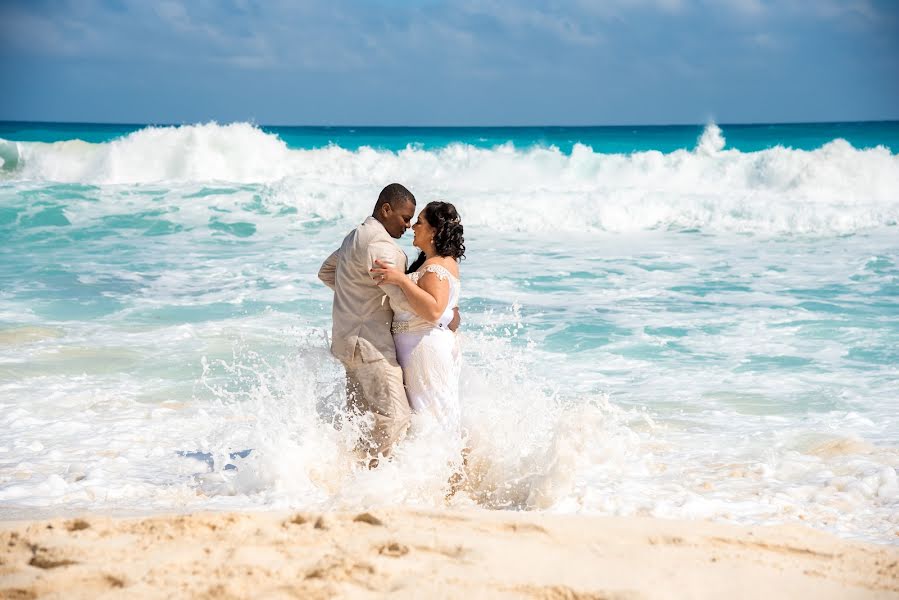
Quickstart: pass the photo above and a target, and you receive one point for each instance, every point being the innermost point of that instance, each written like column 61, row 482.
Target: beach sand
column 410, row 553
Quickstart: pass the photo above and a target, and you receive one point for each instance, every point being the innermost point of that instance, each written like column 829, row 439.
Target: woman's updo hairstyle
column 448, row 232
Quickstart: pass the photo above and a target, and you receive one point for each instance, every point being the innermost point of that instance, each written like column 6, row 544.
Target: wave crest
column 238, row 152
column 835, row 188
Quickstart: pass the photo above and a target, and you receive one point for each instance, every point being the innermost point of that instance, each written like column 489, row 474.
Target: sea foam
column 163, row 318
column 833, row 189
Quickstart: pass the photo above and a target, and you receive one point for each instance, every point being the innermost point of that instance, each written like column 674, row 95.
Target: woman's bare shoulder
column 448, row 263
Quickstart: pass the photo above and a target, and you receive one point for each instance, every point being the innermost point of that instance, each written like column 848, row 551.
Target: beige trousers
column 376, row 388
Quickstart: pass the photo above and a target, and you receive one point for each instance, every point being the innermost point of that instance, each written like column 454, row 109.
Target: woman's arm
column 428, row 299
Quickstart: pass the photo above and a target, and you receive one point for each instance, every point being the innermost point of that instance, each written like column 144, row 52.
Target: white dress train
column 429, row 355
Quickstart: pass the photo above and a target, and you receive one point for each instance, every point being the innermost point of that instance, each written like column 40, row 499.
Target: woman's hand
column 384, row 273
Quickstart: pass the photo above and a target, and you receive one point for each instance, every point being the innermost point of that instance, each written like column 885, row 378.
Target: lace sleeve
column 441, row 272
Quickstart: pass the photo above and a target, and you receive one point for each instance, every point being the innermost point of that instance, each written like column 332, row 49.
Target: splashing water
column 702, row 332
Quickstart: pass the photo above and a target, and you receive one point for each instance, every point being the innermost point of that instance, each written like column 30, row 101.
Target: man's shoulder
column 371, row 232
column 359, row 242
column 361, row 233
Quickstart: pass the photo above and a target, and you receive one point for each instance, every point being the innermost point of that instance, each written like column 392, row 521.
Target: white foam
column 9, row 155
column 94, row 412
column 527, row 450
column 836, row 188
column 711, row 141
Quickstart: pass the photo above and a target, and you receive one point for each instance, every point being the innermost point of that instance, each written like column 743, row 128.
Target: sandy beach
column 407, row 553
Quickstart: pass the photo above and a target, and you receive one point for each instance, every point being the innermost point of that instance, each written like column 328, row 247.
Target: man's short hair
column 395, row 195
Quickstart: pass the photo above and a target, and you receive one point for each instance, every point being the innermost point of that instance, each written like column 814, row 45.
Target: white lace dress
column 429, row 355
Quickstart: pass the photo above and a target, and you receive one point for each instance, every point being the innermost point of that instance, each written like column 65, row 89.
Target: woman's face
column 423, row 233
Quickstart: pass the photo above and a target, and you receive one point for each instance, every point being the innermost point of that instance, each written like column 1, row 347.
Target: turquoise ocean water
column 687, row 321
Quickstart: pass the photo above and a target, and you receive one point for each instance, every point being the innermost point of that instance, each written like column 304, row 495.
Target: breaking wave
column 835, row 188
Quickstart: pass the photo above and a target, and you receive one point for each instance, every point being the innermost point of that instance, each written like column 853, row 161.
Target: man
column 361, row 337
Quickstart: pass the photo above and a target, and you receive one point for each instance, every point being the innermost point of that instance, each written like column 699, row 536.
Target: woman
column 428, row 352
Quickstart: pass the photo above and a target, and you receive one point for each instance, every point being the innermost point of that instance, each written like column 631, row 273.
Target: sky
column 465, row 62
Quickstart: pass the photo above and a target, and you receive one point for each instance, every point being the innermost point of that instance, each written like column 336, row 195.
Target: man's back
column 361, row 337
column 361, row 314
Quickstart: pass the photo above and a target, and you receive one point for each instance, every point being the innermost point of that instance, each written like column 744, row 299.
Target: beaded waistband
column 412, row 326
column 400, row 326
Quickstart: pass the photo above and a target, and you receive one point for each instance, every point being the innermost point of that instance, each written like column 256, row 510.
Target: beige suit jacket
column 361, row 312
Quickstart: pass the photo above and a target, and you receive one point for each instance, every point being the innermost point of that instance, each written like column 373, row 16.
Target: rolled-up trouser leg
column 377, row 387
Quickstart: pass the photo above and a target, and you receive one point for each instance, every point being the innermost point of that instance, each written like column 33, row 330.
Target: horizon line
column 346, row 126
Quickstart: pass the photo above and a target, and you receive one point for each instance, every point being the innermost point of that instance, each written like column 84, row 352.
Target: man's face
column 397, row 221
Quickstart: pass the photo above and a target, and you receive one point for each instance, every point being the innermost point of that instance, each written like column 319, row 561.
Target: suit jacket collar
column 373, row 221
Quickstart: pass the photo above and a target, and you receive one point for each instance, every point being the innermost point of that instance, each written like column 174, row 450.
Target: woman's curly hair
column 448, row 232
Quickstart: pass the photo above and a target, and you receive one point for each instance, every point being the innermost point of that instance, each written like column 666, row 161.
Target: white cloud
column 746, row 7
column 765, row 41
column 563, row 26
column 614, row 9
column 173, row 13
column 834, row 9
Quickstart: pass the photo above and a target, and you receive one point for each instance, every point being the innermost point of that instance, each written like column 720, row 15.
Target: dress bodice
column 405, row 319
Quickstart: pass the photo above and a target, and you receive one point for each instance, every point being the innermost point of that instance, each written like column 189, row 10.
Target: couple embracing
column 394, row 325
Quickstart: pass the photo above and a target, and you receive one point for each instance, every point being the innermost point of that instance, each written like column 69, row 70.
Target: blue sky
column 430, row 62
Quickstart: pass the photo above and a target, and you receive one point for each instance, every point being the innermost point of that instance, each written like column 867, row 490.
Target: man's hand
column 457, row 320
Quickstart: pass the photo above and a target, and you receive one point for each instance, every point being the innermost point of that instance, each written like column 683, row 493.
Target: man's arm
column 328, row 269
